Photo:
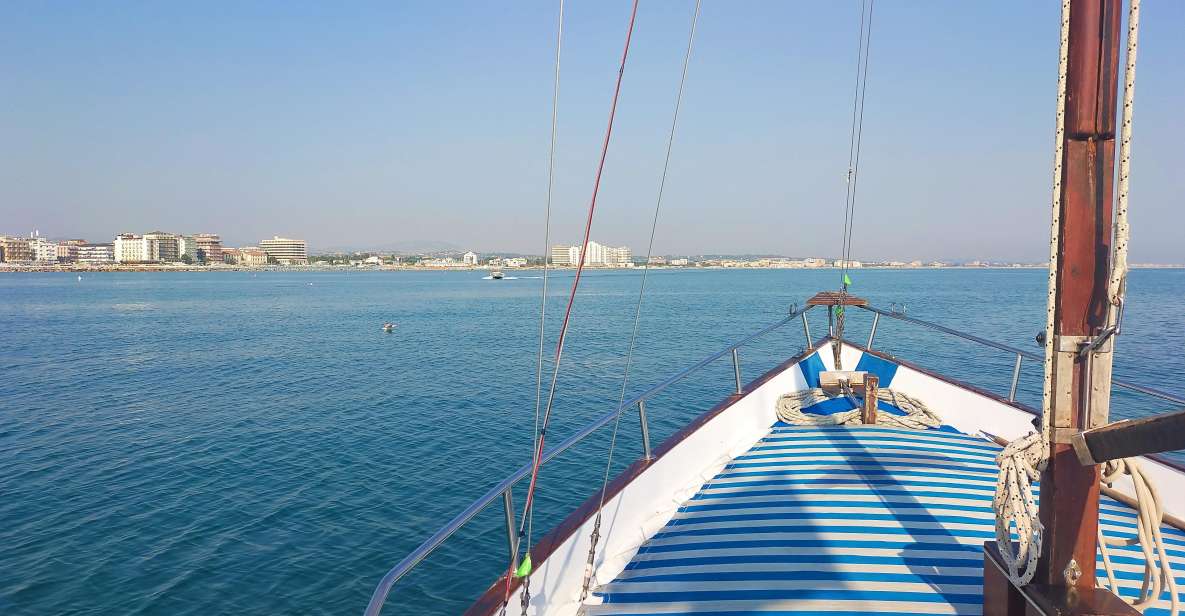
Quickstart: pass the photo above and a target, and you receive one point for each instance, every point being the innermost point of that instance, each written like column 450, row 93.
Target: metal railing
column 503, row 489
column 1020, row 354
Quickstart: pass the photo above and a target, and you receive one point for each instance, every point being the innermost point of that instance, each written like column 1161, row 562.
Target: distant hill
column 408, row 247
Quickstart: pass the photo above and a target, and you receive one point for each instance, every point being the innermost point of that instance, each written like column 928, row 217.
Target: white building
column 285, row 250
column 840, row 263
column 598, row 254
column 515, row 262
column 44, row 251
column 132, row 248
column 96, row 254
column 469, row 258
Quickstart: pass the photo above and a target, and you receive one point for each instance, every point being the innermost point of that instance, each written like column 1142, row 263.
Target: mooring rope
column 595, row 535
column 917, row 416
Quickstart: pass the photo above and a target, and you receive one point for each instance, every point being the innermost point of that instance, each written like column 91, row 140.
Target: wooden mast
column 1065, row 580
column 1069, row 490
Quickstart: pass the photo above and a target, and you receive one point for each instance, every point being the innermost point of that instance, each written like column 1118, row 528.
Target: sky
column 387, row 124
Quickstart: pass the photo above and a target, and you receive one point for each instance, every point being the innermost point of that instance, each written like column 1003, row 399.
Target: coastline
column 79, row 269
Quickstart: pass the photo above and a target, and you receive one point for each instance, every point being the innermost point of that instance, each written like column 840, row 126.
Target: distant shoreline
column 80, row 269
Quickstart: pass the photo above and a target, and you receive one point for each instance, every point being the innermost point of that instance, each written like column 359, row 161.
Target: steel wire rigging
column 629, row 356
column 541, row 434
column 855, row 137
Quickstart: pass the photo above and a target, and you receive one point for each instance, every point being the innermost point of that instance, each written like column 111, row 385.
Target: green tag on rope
column 847, row 282
column 524, row 568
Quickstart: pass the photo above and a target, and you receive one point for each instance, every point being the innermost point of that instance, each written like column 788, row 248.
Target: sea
column 253, row 443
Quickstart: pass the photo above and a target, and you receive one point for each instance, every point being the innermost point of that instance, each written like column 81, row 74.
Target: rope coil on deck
column 917, row 415
column 1158, row 573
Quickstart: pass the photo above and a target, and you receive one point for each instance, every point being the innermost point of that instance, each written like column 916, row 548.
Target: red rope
column 559, row 347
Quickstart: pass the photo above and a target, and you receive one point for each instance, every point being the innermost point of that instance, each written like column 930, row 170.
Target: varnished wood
column 1001, row 598
column 1069, row 490
column 868, row 415
column 836, row 298
column 1133, row 437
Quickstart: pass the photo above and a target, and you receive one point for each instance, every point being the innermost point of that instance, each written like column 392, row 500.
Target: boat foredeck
column 841, row 520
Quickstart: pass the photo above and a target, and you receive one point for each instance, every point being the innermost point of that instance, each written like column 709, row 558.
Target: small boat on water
column 497, row 275
column 849, row 480
column 388, row 327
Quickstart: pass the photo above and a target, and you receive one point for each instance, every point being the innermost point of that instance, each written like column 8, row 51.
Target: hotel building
column 598, row 254
column 285, row 250
column 96, row 254
column 209, row 248
column 16, row 249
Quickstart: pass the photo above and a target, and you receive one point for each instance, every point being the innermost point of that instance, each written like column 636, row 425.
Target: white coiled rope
column 917, row 415
column 1021, row 463
column 1158, row 573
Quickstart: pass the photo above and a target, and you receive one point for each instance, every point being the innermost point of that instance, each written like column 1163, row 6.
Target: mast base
column 1002, row 598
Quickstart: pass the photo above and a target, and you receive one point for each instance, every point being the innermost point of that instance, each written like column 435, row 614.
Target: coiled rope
column 1021, row 463
column 917, row 416
column 1158, row 574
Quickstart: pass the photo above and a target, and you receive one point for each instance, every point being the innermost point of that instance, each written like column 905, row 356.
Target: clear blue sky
column 364, row 124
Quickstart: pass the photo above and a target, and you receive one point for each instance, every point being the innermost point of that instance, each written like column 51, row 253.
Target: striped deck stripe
column 841, row 521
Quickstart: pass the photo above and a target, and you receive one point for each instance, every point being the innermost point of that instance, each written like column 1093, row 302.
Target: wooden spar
column 1069, row 499
column 1133, row 437
column 1070, row 491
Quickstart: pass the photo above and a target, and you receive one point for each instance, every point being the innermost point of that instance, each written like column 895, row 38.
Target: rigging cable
column 555, row 101
column 559, row 348
column 855, row 136
column 629, row 356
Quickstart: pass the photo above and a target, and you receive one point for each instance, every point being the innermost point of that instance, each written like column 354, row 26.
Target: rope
column 1022, row 461
column 917, row 416
column 559, row 348
column 1118, row 282
column 595, row 536
column 1158, row 573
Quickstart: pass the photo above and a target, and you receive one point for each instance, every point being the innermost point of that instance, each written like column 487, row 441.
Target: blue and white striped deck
column 840, row 520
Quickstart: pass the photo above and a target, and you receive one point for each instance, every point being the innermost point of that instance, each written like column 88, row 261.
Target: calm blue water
column 221, row 443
